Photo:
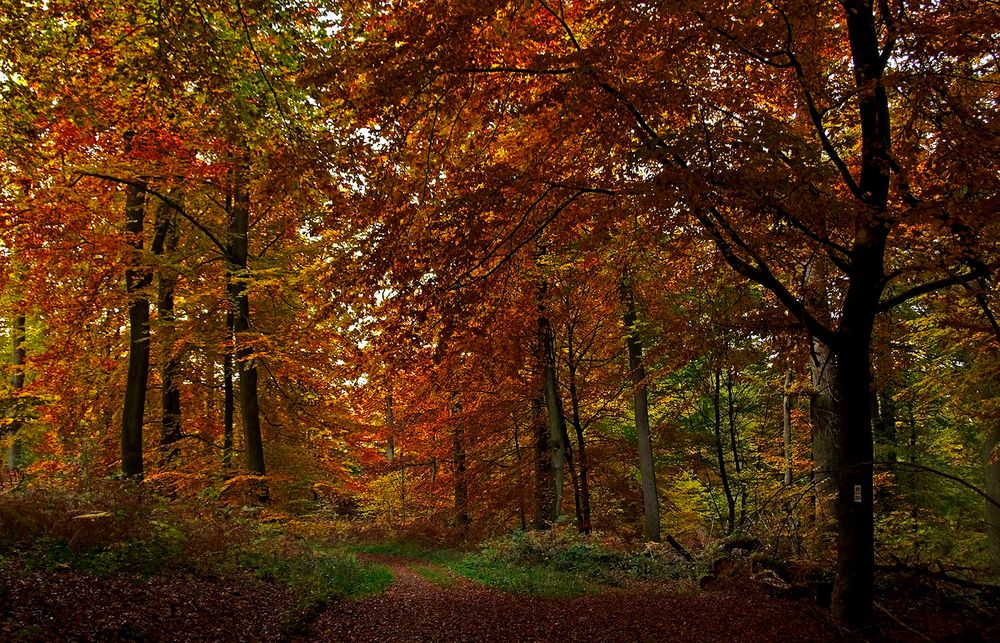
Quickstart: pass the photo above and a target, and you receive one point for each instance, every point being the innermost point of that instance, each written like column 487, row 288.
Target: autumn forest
column 669, row 292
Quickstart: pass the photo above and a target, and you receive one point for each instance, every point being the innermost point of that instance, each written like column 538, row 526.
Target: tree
column 727, row 113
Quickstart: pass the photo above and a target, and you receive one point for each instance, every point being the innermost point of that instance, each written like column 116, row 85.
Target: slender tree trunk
column 137, row 278
column 787, row 426
column 640, row 406
column 734, row 445
column 14, row 453
column 459, row 467
column 228, row 401
column 521, row 514
column 239, row 220
column 720, row 453
column 991, row 462
column 165, row 239
column 584, row 524
column 390, row 443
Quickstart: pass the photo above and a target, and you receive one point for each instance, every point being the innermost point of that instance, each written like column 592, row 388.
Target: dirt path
column 414, row 609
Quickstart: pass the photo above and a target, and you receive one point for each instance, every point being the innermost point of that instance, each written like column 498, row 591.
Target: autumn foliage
column 696, row 270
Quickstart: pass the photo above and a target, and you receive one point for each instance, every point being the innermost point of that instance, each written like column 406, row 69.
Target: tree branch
column 139, row 185
column 977, row 272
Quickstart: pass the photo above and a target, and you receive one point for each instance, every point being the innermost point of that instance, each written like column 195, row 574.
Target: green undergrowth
column 529, row 580
column 406, row 549
column 587, row 561
column 436, row 574
column 554, row 563
column 119, row 530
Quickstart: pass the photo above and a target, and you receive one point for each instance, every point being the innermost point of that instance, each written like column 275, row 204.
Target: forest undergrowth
column 287, row 567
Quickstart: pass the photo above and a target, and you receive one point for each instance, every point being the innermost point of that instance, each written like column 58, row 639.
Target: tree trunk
column 640, row 406
column 734, row 445
column 14, row 453
column 137, row 278
column 991, row 462
column 390, row 428
column 823, row 414
column 583, row 523
column 165, row 239
column 228, row 401
column 854, row 586
column 459, row 466
column 239, row 220
column 553, row 409
column 721, row 455
column 544, row 488
column 786, row 433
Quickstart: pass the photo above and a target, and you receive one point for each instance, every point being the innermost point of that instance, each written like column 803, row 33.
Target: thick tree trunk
column 239, row 220
column 823, row 414
column 640, row 406
column 554, row 413
column 14, row 453
column 137, row 278
column 544, row 487
column 854, row 586
column 824, row 422
column 166, row 237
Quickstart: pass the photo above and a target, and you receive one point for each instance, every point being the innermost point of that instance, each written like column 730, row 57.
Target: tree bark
column 137, row 278
column 584, row 524
column 228, row 397
column 239, row 221
column 583, row 513
column 556, row 421
column 544, row 487
column 15, row 452
column 854, row 586
column 165, row 239
column 459, row 467
column 734, row 445
column 640, row 406
column 721, row 455
column 786, row 432
column 991, row 463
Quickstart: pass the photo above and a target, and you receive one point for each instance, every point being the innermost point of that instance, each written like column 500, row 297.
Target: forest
column 587, row 293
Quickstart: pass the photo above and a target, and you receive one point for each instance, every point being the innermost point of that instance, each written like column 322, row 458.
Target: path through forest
column 414, row 609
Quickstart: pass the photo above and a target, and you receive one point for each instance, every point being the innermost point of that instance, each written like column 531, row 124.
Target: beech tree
column 769, row 124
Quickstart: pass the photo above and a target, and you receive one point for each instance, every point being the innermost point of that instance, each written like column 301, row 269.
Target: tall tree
column 137, row 278
column 239, row 285
column 640, row 406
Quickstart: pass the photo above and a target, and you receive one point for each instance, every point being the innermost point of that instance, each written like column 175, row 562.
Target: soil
column 67, row 605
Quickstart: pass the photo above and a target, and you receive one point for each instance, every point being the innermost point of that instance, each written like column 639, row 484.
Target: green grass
column 317, row 576
column 530, row 580
column 435, row 574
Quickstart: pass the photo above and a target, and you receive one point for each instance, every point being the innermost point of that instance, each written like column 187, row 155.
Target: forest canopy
column 688, row 270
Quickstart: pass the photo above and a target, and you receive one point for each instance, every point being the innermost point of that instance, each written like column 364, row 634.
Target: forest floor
column 69, row 605
column 425, row 602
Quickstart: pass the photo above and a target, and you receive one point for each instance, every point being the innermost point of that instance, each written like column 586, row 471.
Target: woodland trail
column 414, row 609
